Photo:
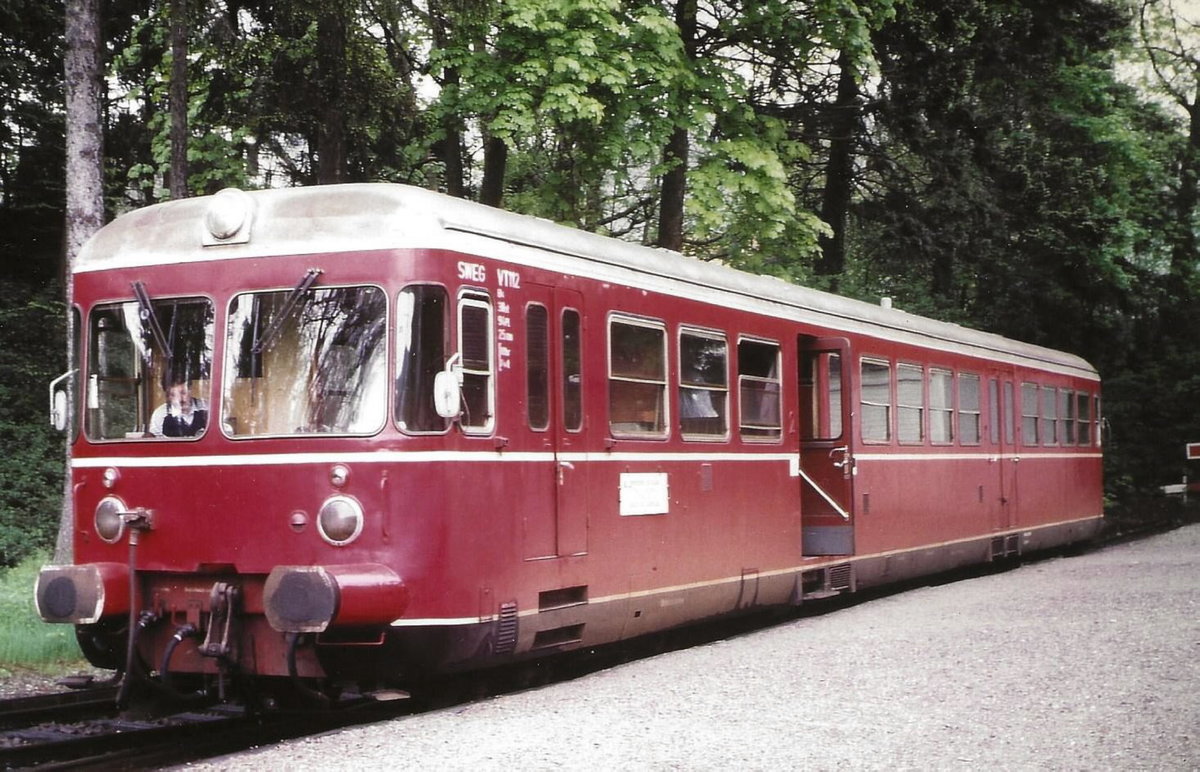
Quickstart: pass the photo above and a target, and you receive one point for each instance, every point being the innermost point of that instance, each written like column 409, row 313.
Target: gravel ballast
column 1084, row 662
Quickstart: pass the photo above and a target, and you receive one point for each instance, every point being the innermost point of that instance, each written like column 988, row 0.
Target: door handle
column 845, row 451
column 562, row 467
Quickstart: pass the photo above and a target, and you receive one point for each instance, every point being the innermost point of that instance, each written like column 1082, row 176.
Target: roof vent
column 885, row 302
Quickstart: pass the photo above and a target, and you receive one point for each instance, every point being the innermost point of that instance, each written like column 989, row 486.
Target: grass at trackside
column 25, row 640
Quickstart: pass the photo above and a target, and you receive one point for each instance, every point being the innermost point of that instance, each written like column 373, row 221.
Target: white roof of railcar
column 369, row 216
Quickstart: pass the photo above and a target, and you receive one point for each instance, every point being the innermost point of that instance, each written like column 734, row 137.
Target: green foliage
column 25, row 640
column 257, row 97
column 1020, row 171
column 1000, row 175
column 32, row 154
column 577, row 89
column 31, row 480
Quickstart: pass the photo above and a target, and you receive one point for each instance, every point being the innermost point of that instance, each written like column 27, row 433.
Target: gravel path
column 1088, row 663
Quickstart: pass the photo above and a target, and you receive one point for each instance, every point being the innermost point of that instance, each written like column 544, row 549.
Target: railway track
column 84, row 730
column 27, row 711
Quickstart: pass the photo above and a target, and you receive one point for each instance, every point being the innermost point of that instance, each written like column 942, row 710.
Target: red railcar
column 410, row 433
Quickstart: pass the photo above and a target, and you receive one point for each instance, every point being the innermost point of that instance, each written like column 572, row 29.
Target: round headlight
column 340, row 520
column 109, row 524
column 227, row 212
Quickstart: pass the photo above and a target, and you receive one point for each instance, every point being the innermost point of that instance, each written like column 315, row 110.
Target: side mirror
column 447, row 389
column 60, row 406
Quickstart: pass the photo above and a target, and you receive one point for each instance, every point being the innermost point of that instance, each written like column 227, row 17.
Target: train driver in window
column 182, row 415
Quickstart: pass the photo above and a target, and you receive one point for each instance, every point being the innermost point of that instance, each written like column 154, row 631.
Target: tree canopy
column 1024, row 167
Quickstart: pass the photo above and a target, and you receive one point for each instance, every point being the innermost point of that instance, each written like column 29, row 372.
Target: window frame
column 723, row 411
column 944, row 411
column 1030, row 414
column 1085, row 425
column 993, row 411
column 920, row 406
column 889, row 406
column 822, row 391
column 663, row 428
column 447, row 339
column 1066, row 417
column 744, row 378
column 1049, row 413
column 545, row 398
column 975, row 413
column 572, row 392
column 388, row 386
column 473, row 297
column 148, row 395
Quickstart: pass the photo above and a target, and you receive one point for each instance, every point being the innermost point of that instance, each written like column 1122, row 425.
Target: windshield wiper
column 303, row 286
column 150, row 318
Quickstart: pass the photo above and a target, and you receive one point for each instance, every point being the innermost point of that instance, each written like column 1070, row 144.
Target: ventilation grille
column 1004, row 546
column 841, row 577
column 506, row 629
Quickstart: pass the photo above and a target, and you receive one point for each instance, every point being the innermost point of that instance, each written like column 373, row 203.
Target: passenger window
column 1049, row 415
column 759, row 390
column 475, row 345
column 941, row 407
column 1066, row 415
column 1010, row 416
column 422, row 329
column 910, row 403
column 994, row 411
column 572, row 371
column 637, row 380
column 969, row 432
column 1029, row 413
column 537, row 367
column 876, row 390
column 821, row 395
column 703, row 385
column 1083, row 414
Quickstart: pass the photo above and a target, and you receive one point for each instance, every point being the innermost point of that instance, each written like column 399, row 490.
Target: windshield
column 149, row 366
column 313, row 365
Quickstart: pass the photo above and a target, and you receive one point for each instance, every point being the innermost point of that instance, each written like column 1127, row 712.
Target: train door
column 1002, row 435
column 556, row 524
column 826, row 448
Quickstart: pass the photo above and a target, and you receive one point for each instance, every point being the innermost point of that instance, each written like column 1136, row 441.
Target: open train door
column 826, row 447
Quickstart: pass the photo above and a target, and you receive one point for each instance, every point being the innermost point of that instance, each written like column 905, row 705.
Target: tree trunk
column 331, row 58
column 85, row 188
column 835, row 205
column 674, row 188
column 179, row 100
column 451, row 145
column 449, row 149
column 495, row 162
column 675, row 155
column 1183, row 251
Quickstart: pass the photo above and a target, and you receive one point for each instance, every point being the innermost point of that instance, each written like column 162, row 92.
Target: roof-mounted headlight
column 227, row 219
